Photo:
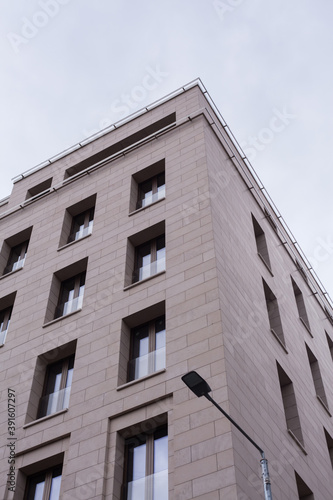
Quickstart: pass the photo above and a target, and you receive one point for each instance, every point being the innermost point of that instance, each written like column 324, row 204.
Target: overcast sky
column 72, row 67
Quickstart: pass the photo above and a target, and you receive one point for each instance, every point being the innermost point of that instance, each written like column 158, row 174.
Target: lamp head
column 196, row 383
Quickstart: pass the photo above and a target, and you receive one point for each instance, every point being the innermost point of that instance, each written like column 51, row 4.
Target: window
column 329, row 442
column 290, row 406
column 316, row 376
column 330, row 344
column 39, row 190
column 82, row 225
column 78, row 221
column 273, row 314
column 6, row 308
column 45, row 485
column 51, row 383
column 121, row 145
column 261, row 243
column 57, row 387
column 67, row 290
column 71, row 295
column 14, row 251
column 146, row 466
column 304, row 492
column 151, row 190
column 301, row 306
column 150, row 259
column 17, row 257
column 147, row 349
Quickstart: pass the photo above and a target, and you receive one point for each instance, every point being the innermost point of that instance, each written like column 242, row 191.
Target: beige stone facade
column 204, row 254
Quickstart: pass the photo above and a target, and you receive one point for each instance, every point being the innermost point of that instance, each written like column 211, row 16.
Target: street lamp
column 200, row 388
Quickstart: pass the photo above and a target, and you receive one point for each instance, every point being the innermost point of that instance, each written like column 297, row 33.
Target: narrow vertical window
column 304, row 492
column 330, row 344
column 273, row 314
column 147, row 349
column 5, row 315
column 329, row 442
column 71, row 295
column 45, row 485
column 57, row 387
column 316, row 376
column 289, row 405
column 261, row 243
column 301, row 306
column 146, row 466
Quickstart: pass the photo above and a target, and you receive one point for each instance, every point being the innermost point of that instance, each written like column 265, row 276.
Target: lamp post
column 199, row 386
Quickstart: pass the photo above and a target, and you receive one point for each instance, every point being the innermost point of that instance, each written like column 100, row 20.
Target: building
column 146, row 252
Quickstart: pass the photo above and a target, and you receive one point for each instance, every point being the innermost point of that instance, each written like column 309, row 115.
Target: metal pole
column 263, row 461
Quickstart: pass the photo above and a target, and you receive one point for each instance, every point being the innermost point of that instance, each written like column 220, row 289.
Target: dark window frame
column 78, row 293
column 47, row 477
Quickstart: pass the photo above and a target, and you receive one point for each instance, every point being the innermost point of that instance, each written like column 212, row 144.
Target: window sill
column 61, row 317
column 42, row 419
column 132, row 382
column 11, row 272
column 279, row 340
column 323, row 404
column 268, row 267
column 306, row 326
column 72, row 242
column 143, row 281
column 297, row 441
column 147, row 206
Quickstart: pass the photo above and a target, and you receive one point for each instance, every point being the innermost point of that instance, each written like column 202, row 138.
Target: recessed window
column 6, row 308
column 148, row 186
column 17, row 257
column 44, row 485
column 82, row 225
column 261, row 243
column 146, row 466
column 304, row 492
column 145, row 254
column 316, row 376
column 270, row 219
column 147, row 349
column 52, row 381
column 151, row 190
column 5, row 316
column 330, row 344
column 14, row 251
column 57, row 387
column 143, row 340
column 289, row 405
column 328, row 315
column 39, row 190
column 329, row 442
column 149, row 259
column 71, row 295
column 78, row 221
column 273, row 313
column 301, row 305
column 67, row 290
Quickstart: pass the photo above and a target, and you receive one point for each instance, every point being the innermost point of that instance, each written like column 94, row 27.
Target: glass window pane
column 55, row 488
column 160, row 454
